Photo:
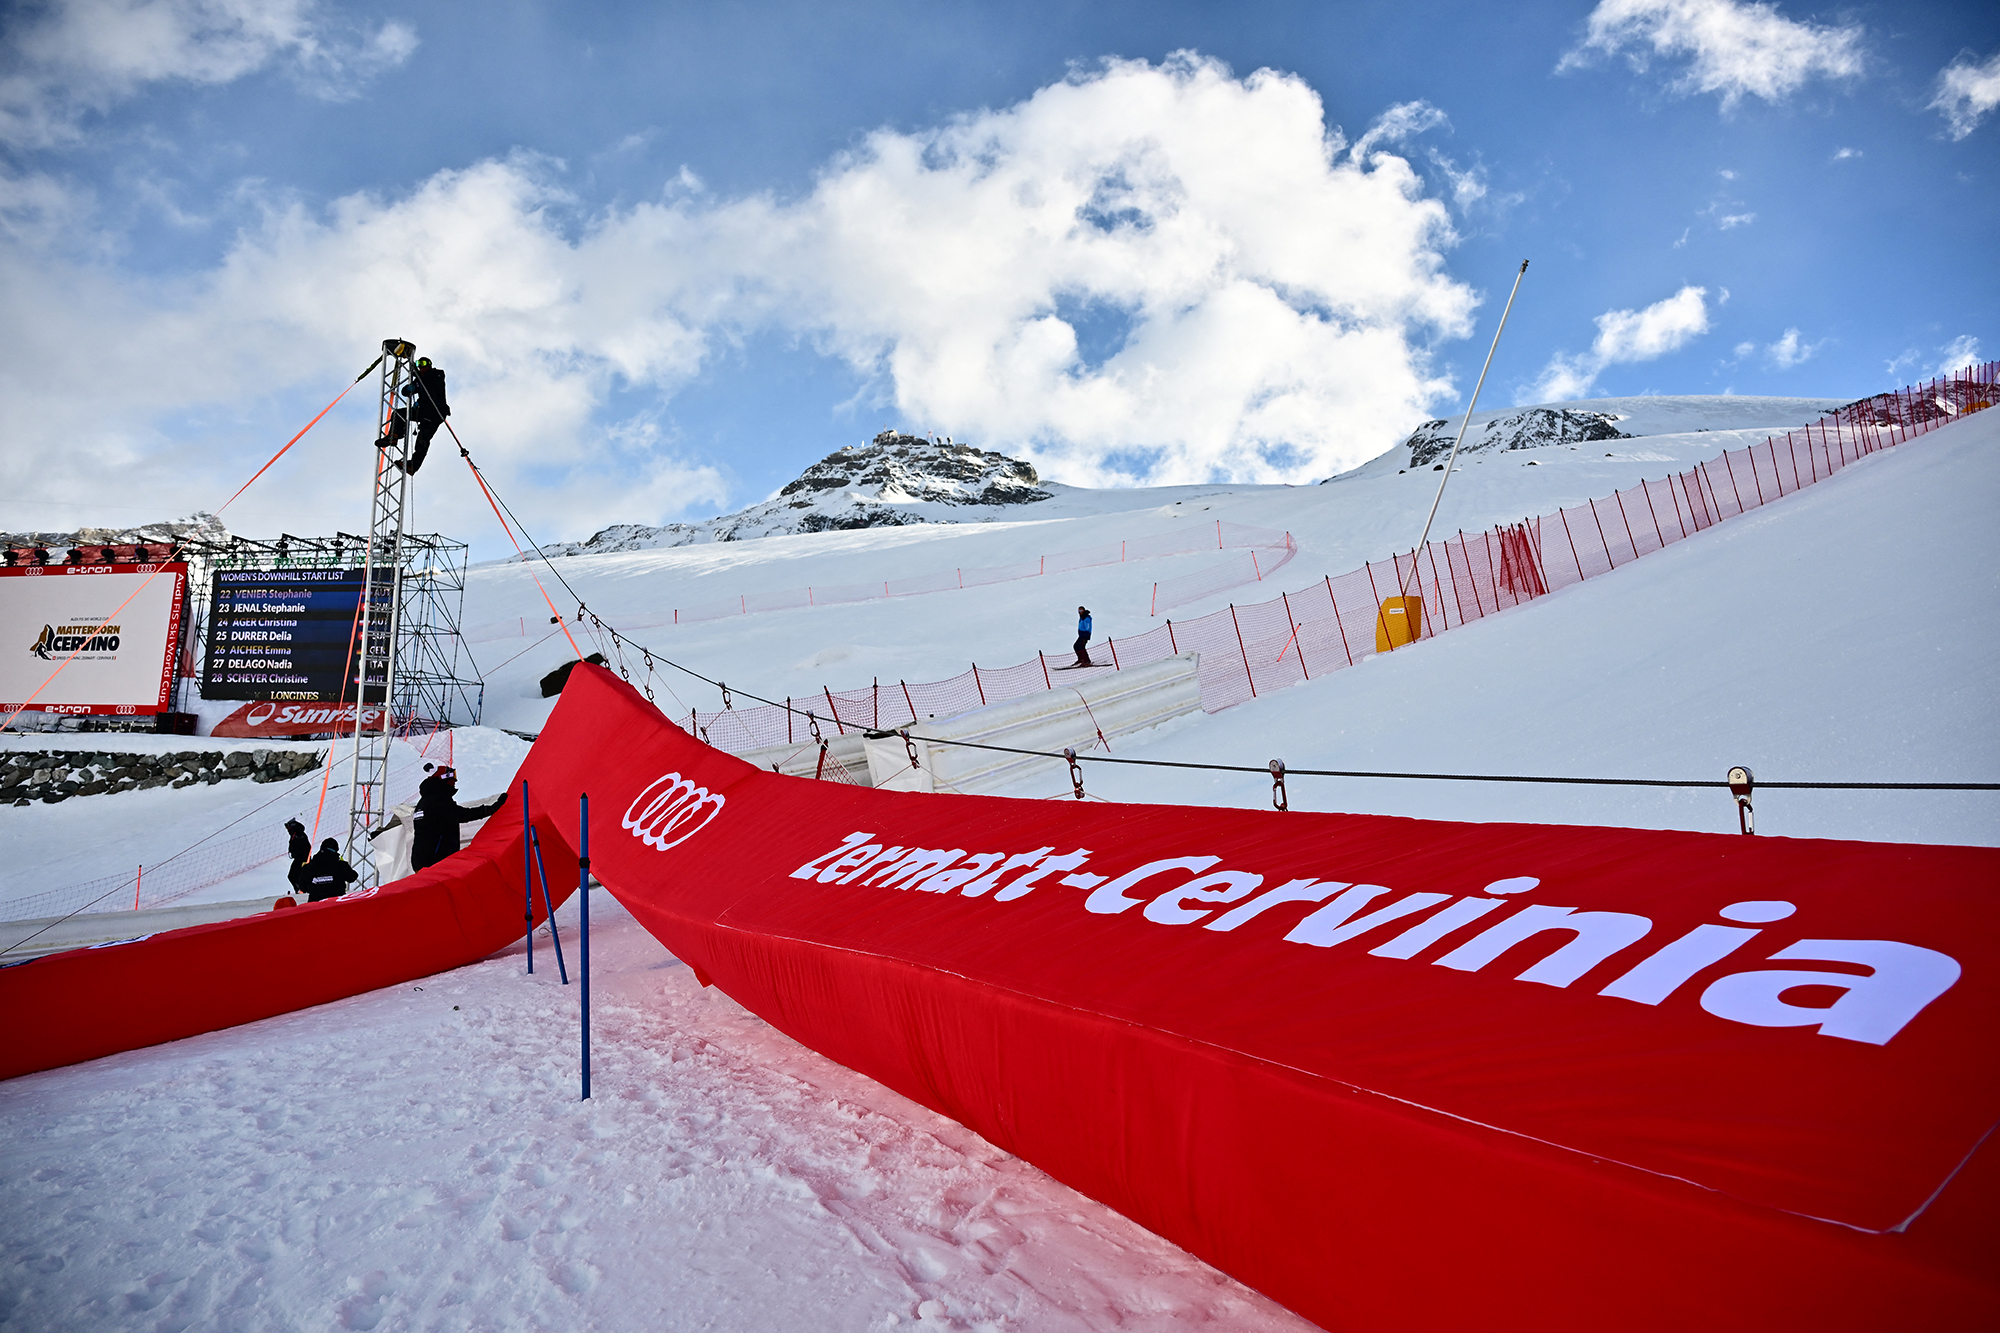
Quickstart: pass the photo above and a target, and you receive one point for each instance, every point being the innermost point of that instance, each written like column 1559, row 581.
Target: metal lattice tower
column 381, row 608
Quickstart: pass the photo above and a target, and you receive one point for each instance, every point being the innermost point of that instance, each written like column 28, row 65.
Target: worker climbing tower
column 381, row 603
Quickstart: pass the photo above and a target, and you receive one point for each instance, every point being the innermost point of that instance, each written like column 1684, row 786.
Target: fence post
column 1493, row 571
column 977, row 686
column 1334, row 602
column 1239, row 639
column 1600, row 533
column 1630, row 540
column 1738, row 490
column 1430, row 549
column 1465, row 554
column 831, row 709
column 1170, row 638
column 1295, row 635
column 583, row 910
column 1437, row 588
column 1646, row 489
column 1112, row 644
column 906, row 699
column 1565, row 515
column 1047, row 684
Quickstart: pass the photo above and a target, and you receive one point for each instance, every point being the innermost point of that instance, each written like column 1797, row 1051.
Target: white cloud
column 1732, row 220
column 1623, row 336
column 1959, row 353
column 1733, row 48
column 81, row 56
column 1403, row 121
column 1791, row 350
column 1846, row 153
column 1966, row 92
column 1270, row 298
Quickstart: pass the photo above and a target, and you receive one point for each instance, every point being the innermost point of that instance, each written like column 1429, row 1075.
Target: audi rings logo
column 670, row 811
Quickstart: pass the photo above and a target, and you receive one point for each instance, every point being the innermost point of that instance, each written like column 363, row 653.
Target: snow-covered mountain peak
column 201, row 525
column 1528, row 428
column 895, row 468
column 892, row 480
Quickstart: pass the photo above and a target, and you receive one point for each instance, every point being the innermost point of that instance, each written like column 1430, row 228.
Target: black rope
column 1261, row 769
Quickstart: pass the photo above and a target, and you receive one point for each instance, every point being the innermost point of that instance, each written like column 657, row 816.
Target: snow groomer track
column 1393, row 1073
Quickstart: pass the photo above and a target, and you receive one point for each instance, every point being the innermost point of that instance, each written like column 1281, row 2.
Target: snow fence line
column 1256, row 648
column 1279, row 548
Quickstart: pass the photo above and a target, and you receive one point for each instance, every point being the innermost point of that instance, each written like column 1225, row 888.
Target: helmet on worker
column 423, row 363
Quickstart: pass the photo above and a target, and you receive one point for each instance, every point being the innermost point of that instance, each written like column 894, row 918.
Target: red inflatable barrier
column 86, row 1003
column 1394, row 1073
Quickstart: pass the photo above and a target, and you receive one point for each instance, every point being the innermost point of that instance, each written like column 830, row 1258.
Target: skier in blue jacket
column 1083, row 637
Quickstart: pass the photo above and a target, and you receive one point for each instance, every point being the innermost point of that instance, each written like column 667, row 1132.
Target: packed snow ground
column 418, row 1158
column 391, row 1161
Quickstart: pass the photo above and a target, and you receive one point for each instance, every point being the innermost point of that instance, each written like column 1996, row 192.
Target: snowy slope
column 1621, row 677
column 417, row 1158
column 1850, row 632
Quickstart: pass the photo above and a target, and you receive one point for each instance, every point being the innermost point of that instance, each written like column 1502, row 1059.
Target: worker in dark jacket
column 300, row 851
column 437, row 817
column 327, row 875
column 301, row 848
column 1082, row 644
column 427, row 407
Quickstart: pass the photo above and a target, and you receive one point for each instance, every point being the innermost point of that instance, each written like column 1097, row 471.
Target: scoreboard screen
column 287, row 633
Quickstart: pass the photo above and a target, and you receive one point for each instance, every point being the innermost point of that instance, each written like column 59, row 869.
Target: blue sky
column 671, row 254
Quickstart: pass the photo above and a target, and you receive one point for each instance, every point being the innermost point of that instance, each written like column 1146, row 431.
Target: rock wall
column 56, row 775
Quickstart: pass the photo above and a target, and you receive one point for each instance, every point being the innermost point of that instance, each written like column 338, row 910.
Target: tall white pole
column 1403, row 584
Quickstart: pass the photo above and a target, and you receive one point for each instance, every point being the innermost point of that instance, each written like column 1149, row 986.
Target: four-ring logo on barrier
column 670, row 811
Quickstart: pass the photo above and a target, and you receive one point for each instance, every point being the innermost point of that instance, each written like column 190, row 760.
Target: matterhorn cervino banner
column 90, row 638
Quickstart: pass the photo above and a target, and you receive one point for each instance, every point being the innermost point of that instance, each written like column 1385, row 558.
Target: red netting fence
column 1254, row 649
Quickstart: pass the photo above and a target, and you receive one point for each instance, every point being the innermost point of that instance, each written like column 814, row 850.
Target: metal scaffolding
column 436, row 683
column 381, row 609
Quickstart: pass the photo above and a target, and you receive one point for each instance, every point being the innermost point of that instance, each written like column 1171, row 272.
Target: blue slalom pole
column 540, row 870
column 583, row 909
column 528, row 872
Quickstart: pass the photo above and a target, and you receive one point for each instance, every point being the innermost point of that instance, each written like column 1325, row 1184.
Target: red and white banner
column 274, row 719
column 90, row 638
column 1373, row 1066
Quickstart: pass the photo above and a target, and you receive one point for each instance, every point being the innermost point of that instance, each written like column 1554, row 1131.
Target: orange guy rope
column 477, row 476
